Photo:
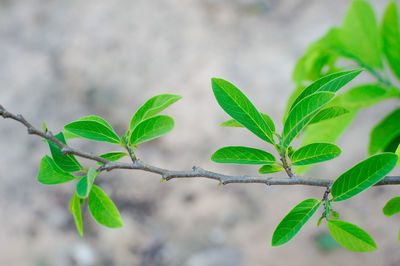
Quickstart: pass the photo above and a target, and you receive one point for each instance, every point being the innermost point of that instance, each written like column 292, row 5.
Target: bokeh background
column 61, row 60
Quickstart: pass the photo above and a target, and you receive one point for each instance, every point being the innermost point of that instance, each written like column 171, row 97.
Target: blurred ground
column 61, row 60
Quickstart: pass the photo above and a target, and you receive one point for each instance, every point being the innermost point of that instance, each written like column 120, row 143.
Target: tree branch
column 169, row 174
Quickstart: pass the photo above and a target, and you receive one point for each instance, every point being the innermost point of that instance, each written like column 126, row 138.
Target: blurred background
column 61, row 60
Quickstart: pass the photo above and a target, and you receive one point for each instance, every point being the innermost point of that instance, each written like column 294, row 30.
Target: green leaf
column 392, row 207
column 68, row 163
column 242, row 155
column 303, row 113
column 329, row 83
column 103, row 209
column 51, row 174
column 84, row 185
column 294, row 221
column 239, row 107
column 384, row 132
column 234, row 123
column 113, row 156
column 152, row 107
column 363, row 175
column 390, row 34
column 93, row 128
column 151, row 128
column 351, row 236
column 76, row 211
column 328, row 113
column 315, row 153
column 270, row 168
column 70, row 135
column 359, row 37
column 398, row 154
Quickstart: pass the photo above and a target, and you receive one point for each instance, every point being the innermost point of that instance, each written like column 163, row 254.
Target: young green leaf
column 392, row 207
column 152, row 107
column 103, row 209
column 294, row 221
column 239, row 107
column 93, row 128
column 270, row 168
column 363, row 175
column 84, row 185
column 76, row 211
column 390, row 34
column 151, row 128
column 351, row 236
column 384, row 132
column 51, row 174
column 303, row 113
column 329, row 83
column 328, row 113
column 315, row 153
column 234, row 123
column 242, row 155
column 113, row 156
column 68, row 162
column 398, row 154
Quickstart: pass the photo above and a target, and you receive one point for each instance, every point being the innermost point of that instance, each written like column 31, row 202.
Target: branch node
column 66, row 150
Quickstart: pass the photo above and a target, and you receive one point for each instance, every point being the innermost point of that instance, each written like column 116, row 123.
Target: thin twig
column 169, row 174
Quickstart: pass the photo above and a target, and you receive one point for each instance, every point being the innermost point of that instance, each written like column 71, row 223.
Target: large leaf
column 68, row 162
column 84, row 185
column 351, row 236
column 303, row 113
column 329, row 113
column 76, row 211
column 151, row 128
column 329, row 83
column 362, row 176
column 51, row 174
column 270, row 168
column 294, row 221
column 384, row 132
column 390, row 34
column 359, row 37
column 242, row 155
column 239, row 107
column 392, row 207
column 234, row 123
column 93, row 128
column 113, row 156
column 152, row 107
column 103, row 209
column 315, row 153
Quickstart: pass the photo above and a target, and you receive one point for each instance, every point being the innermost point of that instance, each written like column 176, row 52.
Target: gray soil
column 61, row 60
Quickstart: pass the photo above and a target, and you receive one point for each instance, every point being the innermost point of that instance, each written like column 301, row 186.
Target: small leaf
column 294, row 221
column 103, row 209
column 390, row 34
column 51, row 174
column 76, row 211
column 151, row 128
column 239, row 107
column 270, row 168
column 392, row 207
column 234, row 123
column 328, row 113
column 351, row 236
column 242, row 155
column 335, row 214
column 362, row 176
column 384, row 132
column 113, row 156
column 68, row 162
column 93, row 128
column 329, row 83
column 303, row 113
column 84, row 185
column 315, row 153
column 152, row 107
column 398, row 154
